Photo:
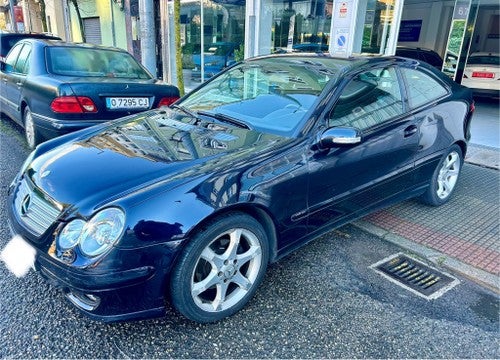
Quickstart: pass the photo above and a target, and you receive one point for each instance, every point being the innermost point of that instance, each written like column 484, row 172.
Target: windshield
column 270, row 95
column 89, row 62
column 484, row 60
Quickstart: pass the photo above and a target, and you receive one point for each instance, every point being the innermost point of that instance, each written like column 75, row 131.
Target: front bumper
column 127, row 284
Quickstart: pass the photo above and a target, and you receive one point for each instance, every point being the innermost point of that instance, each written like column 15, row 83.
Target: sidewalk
column 463, row 234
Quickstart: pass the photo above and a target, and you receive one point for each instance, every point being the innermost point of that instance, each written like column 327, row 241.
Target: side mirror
column 339, row 136
column 2, row 65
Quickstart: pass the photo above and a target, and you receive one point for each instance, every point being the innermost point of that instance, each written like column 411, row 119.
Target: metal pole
column 113, row 34
column 202, row 43
column 147, row 27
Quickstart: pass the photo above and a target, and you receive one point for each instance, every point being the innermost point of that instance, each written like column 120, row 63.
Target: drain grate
column 415, row 276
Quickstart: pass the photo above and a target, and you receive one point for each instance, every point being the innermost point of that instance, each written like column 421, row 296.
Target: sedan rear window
column 88, row 62
column 484, row 60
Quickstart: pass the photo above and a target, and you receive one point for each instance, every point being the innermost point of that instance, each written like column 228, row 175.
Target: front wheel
column 220, row 269
column 445, row 177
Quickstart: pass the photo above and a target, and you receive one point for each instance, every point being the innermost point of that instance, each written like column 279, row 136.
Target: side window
column 422, row 88
column 11, row 59
column 22, row 64
column 370, row 99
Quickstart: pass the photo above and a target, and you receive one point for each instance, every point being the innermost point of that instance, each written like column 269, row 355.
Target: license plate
column 483, row 75
column 18, row 256
column 113, row 103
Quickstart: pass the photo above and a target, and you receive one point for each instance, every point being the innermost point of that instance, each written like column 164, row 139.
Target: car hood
column 152, row 149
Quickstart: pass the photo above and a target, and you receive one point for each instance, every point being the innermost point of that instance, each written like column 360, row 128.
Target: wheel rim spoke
column 241, row 281
column 234, row 241
column 220, row 298
column 201, row 286
column 214, row 259
column 250, row 254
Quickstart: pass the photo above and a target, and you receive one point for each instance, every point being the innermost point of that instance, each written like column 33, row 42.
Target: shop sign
column 409, row 30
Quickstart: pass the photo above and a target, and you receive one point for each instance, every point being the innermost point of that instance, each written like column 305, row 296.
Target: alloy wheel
column 448, row 175
column 226, row 270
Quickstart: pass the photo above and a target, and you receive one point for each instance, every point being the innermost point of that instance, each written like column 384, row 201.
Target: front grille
column 35, row 211
column 414, row 275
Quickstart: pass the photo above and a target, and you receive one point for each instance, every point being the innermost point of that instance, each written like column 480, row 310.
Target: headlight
column 102, row 231
column 96, row 236
column 70, row 235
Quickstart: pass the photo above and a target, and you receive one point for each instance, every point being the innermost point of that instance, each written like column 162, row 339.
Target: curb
column 438, row 258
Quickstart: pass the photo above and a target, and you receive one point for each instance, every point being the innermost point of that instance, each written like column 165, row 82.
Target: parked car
column 482, row 74
column 9, row 39
column 190, row 203
column 52, row 87
column 217, row 56
column 427, row 55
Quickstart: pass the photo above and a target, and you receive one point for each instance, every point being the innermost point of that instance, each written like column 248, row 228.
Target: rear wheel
column 445, row 177
column 220, row 269
column 33, row 137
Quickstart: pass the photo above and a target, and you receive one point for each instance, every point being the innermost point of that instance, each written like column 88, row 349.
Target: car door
column 14, row 77
column 347, row 180
column 9, row 91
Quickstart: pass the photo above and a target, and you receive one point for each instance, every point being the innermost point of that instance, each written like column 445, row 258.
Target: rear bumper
column 50, row 127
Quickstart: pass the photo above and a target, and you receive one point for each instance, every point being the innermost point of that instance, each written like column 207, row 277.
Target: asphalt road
column 322, row 301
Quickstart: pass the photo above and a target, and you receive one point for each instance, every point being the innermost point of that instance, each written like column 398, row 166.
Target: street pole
column 147, row 32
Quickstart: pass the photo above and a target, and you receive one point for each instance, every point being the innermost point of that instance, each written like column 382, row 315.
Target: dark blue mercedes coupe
column 188, row 204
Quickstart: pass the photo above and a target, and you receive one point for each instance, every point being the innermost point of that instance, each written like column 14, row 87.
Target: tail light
column 166, row 101
column 73, row 105
column 472, row 106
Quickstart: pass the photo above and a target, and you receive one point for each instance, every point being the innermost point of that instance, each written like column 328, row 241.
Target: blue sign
column 341, row 40
column 409, row 30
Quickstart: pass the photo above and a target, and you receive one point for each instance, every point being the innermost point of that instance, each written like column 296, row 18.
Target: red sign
column 343, row 10
column 484, row 75
column 18, row 14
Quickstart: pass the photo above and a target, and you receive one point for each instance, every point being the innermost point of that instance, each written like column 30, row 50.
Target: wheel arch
column 463, row 146
column 257, row 212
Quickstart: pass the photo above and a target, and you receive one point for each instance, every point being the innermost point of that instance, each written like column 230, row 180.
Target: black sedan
column 52, row 87
column 189, row 204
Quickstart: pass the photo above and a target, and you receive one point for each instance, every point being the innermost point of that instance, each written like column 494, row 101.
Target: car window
column 370, row 99
column 11, row 59
column 422, row 88
column 484, row 60
column 269, row 95
column 22, row 63
column 91, row 62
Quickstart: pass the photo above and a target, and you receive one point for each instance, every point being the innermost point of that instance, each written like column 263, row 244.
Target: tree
column 80, row 20
column 43, row 16
column 178, row 48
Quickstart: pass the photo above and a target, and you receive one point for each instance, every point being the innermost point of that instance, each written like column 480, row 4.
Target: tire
column 445, row 177
column 31, row 133
column 220, row 269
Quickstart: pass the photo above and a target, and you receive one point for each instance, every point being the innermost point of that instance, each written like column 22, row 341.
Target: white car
column 482, row 74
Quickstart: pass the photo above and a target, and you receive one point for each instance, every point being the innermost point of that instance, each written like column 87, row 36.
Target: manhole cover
column 415, row 276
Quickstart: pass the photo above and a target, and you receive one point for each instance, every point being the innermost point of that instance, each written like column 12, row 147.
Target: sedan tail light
column 166, row 101
column 73, row 105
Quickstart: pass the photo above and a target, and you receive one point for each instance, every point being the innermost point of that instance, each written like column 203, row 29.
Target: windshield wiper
column 225, row 118
column 184, row 110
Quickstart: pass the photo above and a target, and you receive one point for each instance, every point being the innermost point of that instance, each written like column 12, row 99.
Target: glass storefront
column 221, row 23
column 296, row 25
